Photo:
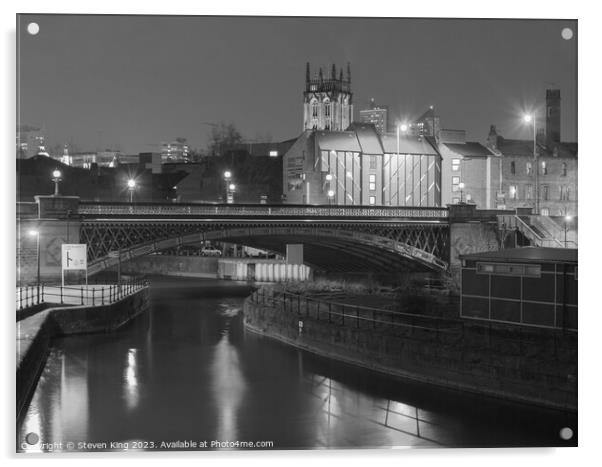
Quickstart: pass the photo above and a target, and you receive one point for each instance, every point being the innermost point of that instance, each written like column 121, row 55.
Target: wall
column 532, row 366
column 35, row 334
column 168, row 265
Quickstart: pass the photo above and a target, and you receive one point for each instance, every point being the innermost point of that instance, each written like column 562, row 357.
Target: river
column 188, row 372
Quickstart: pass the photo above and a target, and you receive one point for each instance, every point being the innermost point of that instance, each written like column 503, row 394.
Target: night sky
column 130, row 82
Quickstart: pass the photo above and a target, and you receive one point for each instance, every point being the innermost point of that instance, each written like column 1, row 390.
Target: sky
column 130, row 82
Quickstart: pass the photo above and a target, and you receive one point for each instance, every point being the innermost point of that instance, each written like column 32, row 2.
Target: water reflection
column 130, row 387
column 189, row 369
column 227, row 381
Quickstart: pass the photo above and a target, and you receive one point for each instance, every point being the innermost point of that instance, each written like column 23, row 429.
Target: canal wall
column 527, row 365
column 172, row 265
column 35, row 334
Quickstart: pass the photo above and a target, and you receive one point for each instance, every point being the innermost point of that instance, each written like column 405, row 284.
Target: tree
column 224, row 136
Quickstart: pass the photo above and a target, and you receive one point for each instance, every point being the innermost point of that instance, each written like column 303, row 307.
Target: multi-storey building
column 327, row 102
column 377, row 115
column 175, row 151
column 545, row 177
column 361, row 167
column 470, row 171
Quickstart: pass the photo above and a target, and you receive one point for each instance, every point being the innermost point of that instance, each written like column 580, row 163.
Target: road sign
column 73, row 256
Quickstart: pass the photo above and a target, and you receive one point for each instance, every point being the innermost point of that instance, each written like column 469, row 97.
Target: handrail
column 91, row 294
column 96, row 208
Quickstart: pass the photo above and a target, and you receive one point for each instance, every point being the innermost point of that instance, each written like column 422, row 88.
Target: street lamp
column 461, row 186
column 402, row 127
column 531, row 119
column 330, row 196
column 56, row 178
column 567, row 220
column 36, row 233
column 131, row 188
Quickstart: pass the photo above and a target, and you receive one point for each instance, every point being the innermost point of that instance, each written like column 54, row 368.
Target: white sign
column 73, row 256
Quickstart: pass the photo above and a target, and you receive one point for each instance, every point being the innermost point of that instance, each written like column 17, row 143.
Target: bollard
column 82, row 290
column 42, row 292
column 61, row 294
column 102, row 296
column 93, row 290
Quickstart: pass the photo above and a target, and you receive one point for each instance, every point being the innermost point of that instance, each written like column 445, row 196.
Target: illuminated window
column 372, row 200
column 273, row 153
column 508, row 269
column 528, row 191
column 513, row 192
column 529, row 168
column 314, row 109
column 455, row 165
column 372, row 182
column 544, row 168
column 455, row 183
column 455, row 200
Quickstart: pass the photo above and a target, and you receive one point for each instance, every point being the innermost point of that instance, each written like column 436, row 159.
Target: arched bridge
column 335, row 238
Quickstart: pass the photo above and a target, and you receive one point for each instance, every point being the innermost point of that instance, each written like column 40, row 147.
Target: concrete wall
column 168, row 265
column 532, row 366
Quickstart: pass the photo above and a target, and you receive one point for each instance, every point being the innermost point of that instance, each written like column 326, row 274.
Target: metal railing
column 355, row 316
column 89, row 295
column 177, row 209
column 514, row 221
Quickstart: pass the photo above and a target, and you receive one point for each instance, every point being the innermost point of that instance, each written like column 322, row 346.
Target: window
column 372, row 182
column 529, row 168
column 455, row 183
column 455, row 165
column 567, row 194
column 468, row 197
column 372, row 162
column 545, row 211
column 544, row 168
column 544, row 192
column 513, row 192
column 513, row 167
column 372, row 200
column 564, row 169
column 314, row 109
column 455, row 200
column 528, row 191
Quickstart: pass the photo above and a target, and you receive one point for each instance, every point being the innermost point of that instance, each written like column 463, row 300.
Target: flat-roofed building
column 523, row 286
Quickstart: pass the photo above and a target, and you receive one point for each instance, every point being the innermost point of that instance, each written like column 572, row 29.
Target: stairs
column 540, row 231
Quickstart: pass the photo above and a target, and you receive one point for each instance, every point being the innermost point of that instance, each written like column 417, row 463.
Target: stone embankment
column 535, row 366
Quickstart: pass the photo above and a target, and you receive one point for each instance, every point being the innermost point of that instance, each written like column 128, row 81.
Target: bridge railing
column 89, row 295
column 356, row 316
column 178, row 209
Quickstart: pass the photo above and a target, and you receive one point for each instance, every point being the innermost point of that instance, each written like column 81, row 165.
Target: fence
column 92, row 294
column 357, row 316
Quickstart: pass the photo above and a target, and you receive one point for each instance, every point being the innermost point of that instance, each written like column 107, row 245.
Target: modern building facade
column 522, row 286
column 361, row 167
column 327, row 102
column 175, row 151
column 377, row 115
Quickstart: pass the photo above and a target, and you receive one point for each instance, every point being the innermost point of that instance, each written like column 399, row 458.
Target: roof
column 338, row 141
column 368, row 138
column 524, row 147
column 407, row 145
column 430, row 113
column 528, row 254
column 469, row 149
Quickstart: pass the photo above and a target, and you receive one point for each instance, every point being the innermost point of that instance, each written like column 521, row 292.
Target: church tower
column 327, row 102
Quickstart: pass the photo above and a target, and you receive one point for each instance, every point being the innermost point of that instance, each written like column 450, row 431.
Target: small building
column 523, row 286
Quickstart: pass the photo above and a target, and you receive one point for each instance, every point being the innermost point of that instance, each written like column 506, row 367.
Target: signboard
column 73, row 256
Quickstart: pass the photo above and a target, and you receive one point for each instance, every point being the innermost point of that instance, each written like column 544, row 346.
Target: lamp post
column 230, row 193
column 403, row 128
column 567, row 220
column 131, row 188
column 56, row 178
column 227, row 179
column 330, row 196
column 36, row 233
column 528, row 119
column 461, row 186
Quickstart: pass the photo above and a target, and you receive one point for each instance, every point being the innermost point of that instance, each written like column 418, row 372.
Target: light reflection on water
column 189, row 370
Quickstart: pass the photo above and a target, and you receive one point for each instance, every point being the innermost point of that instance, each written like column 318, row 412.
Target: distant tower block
column 327, row 102
column 553, row 115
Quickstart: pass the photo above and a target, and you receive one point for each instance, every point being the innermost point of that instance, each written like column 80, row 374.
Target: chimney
column 552, row 116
